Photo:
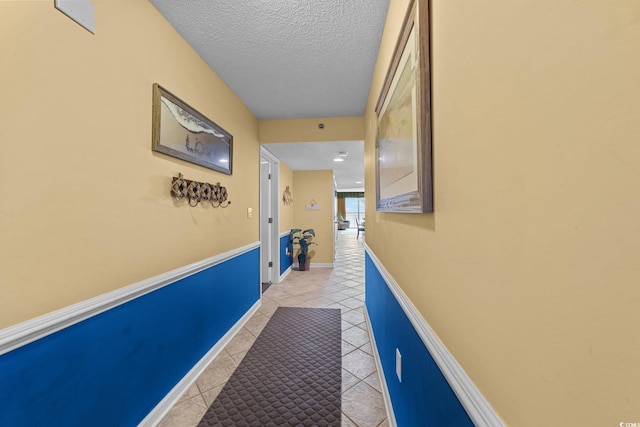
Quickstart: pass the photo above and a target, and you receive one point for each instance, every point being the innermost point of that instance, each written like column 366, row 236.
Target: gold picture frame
column 404, row 172
column 181, row 131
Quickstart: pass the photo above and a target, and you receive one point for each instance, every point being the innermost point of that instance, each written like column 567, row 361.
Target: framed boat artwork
column 181, row 131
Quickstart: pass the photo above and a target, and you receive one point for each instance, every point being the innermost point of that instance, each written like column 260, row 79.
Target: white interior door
column 269, row 214
column 266, row 221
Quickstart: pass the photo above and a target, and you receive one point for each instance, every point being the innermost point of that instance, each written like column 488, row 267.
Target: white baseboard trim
column 288, row 270
column 32, row 330
column 316, row 265
column 285, row 274
column 322, row 265
column 391, row 417
column 478, row 408
column 165, row 405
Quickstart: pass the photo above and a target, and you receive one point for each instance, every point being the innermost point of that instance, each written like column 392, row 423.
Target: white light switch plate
column 399, row 365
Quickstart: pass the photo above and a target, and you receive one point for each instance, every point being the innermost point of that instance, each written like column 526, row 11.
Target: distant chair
column 360, row 226
column 343, row 224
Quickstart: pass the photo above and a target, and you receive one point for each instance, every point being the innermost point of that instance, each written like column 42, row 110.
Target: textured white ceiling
column 289, row 59
column 286, row 58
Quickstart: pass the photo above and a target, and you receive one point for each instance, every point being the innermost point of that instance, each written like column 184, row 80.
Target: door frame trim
column 275, row 198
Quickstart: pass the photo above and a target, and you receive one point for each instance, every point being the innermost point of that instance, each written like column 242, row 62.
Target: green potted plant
column 304, row 239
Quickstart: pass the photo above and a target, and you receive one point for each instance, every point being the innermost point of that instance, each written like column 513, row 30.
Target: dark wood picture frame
column 181, row 131
column 404, row 170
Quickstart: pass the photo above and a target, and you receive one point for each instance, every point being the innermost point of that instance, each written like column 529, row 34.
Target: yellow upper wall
column 85, row 206
column 307, row 130
column 315, row 186
column 528, row 268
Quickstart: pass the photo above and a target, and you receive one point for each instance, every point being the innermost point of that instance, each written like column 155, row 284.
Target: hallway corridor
column 341, row 287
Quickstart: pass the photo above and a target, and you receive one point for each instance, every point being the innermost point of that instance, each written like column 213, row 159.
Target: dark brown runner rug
column 291, row 376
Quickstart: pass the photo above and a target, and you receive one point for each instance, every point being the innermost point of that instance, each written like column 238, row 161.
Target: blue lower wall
column 112, row 369
column 285, row 260
column 424, row 397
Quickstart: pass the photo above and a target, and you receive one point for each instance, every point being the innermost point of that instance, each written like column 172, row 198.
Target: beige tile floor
column 340, row 287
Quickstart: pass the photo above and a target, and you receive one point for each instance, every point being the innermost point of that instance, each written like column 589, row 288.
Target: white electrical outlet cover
column 399, row 365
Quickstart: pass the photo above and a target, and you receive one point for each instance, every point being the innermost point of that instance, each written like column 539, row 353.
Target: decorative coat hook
column 287, row 199
column 179, row 187
column 196, row 192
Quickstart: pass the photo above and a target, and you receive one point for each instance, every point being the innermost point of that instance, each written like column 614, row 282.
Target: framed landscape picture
column 404, row 180
column 181, row 131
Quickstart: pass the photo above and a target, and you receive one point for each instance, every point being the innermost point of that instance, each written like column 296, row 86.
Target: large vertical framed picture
column 404, row 175
column 181, row 131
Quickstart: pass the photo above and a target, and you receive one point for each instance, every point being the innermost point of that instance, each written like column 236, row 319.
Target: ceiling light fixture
column 338, row 159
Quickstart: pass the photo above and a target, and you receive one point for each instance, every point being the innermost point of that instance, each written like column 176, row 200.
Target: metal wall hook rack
column 196, row 192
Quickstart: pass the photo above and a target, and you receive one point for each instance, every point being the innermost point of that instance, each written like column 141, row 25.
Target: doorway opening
column 351, row 208
column 269, row 215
